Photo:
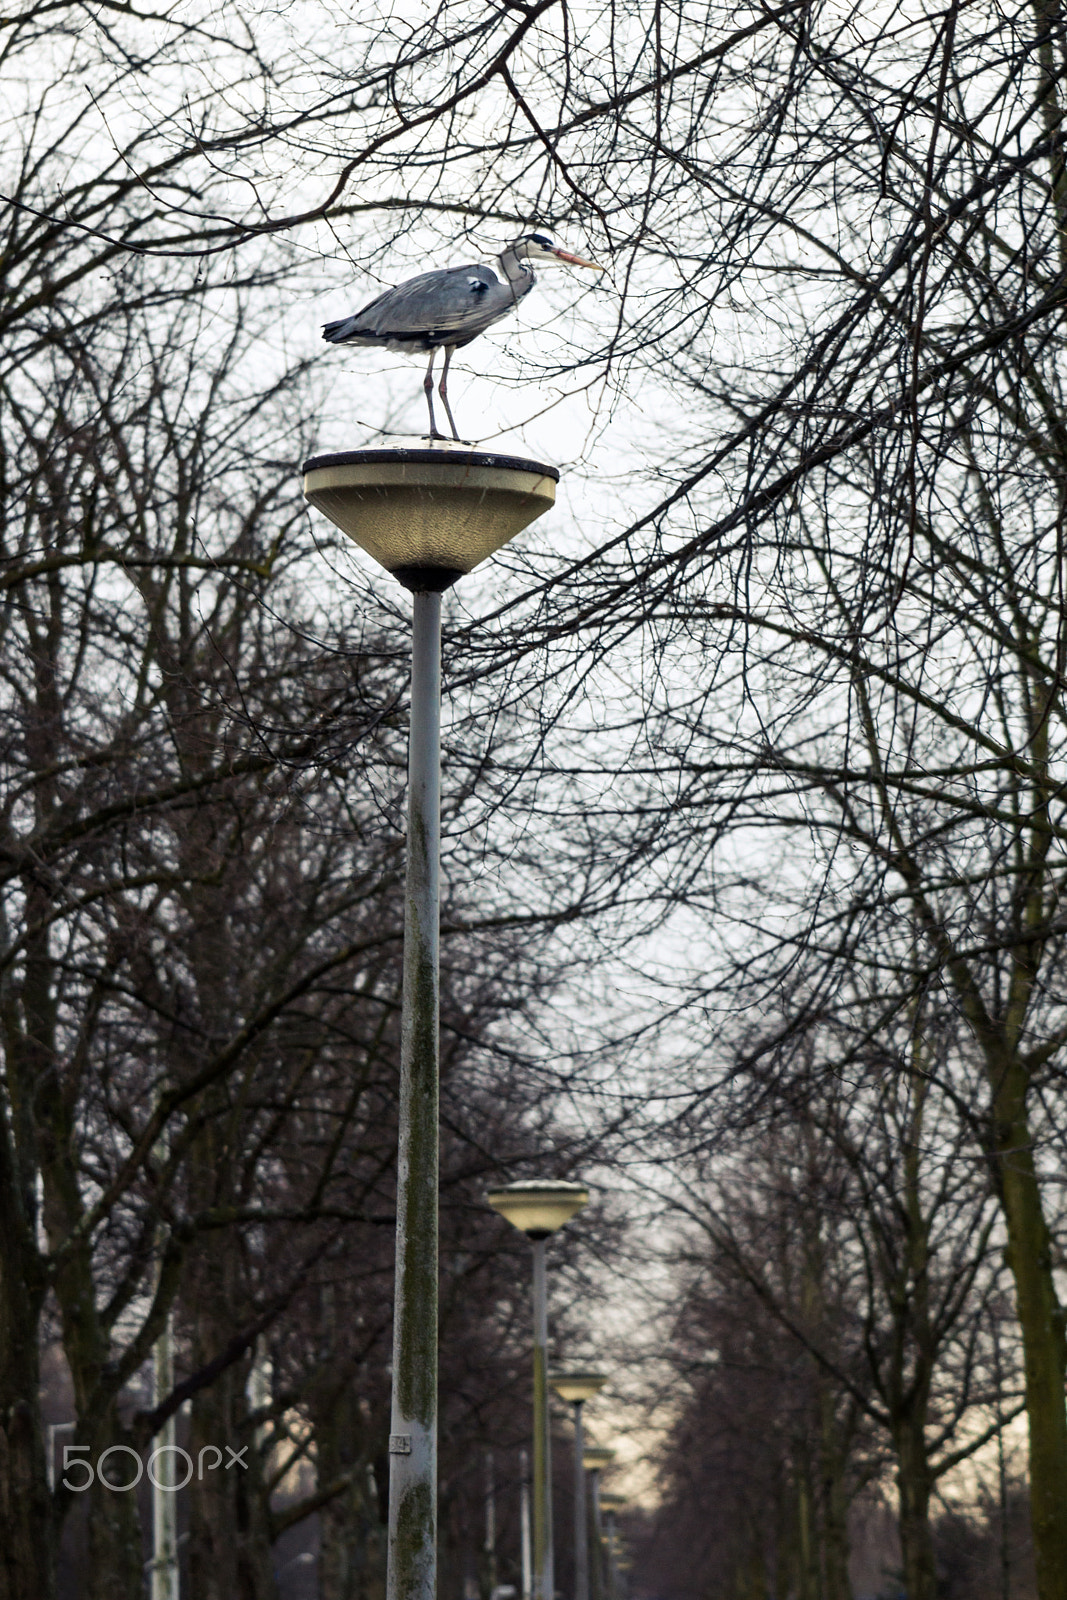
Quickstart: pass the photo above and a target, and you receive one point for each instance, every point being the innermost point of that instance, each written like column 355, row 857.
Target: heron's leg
column 427, row 384
column 442, row 389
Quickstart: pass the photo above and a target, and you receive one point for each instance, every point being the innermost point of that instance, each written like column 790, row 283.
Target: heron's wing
column 452, row 300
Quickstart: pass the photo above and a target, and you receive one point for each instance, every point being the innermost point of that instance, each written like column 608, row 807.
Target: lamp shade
column 428, row 516
column 595, row 1457
column 577, row 1385
column 540, row 1205
column 612, row 1502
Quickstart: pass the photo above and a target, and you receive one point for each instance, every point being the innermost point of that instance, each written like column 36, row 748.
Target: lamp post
column 428, row 516
column 576, row 1388
column 165, row 1578
column 489, row 1586
column 538, row 1208
column 611, row 1505
column 525, row 1541
column 164, row 1581
column 595, row 1459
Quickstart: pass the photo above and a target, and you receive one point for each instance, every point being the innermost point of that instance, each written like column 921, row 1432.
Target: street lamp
column 595, row 1459
column 611, row 1505
column 525, row 1541
column 538, row 1208
column 165, row 1580
column 576, row 1388
column 428, row 516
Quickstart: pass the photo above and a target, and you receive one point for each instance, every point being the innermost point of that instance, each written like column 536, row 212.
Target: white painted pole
column 544, row 1586
column 165, row 1575
column 524, row 1526
column 581, row 1513
column 490, row 1522
column 411, row 1568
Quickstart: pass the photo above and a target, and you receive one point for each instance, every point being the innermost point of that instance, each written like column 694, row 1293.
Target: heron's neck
column 516, row 271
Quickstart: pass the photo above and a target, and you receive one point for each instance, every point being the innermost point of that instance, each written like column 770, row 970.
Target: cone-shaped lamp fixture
column 577, row 1385
column 430, row 515
column 595, row 1457
column 539, row 1206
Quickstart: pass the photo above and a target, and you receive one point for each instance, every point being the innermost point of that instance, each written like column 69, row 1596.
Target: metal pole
column 165, row 1577
column 490, row 1523
column 526, row 1547
column 260, row 1388
column 53, row 1430
column 613, row 1571
column 598, row 1536
column 581, row 1523
column 411, row 1571
column 544, row 1587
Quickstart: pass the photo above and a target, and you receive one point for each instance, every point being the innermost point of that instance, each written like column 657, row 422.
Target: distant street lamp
column 538, row 1208
column 165, row 1579
column 596, row 1459
column 428, row 516
column 611, row 1505
column 576, row 1388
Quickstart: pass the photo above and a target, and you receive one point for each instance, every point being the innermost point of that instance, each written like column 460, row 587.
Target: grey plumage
column 448, row 308
column 436, row 308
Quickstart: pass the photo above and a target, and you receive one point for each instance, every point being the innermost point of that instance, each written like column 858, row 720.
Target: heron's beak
column 576, row 261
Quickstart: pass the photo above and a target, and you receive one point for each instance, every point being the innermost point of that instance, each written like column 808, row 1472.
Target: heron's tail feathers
column 347, row 328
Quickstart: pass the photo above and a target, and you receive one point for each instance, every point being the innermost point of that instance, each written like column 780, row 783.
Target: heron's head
column 539, row 247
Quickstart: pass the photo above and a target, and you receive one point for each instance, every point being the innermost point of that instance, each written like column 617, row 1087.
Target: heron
column 446, row 309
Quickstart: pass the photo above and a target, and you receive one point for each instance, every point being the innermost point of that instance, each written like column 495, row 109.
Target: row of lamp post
column 576, row 1388
column 539, row 1207
column 596, row 1459
column 611, row 1505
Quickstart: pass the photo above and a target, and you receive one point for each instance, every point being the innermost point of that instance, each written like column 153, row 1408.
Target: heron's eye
column 539, row 238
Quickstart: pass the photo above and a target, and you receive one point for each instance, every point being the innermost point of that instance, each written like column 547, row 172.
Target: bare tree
column 849, row 1245
column 836, row 627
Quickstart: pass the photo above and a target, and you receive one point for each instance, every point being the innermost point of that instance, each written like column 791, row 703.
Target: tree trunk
column 835, row 1539
column 229, row 1542
column 807, row 1562
column 1041, row 1320
column 116, row 1558
column 27, row 1520
column 785, row 1542
column 908, row 1293
column 27, row 1536
column 755, row 1571
column 914, row 1484
column 352, row 1542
